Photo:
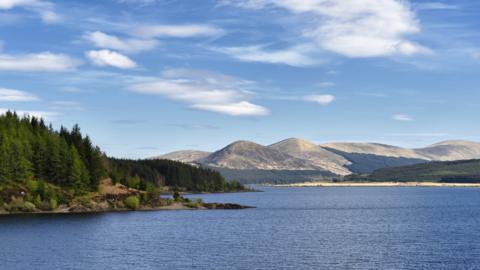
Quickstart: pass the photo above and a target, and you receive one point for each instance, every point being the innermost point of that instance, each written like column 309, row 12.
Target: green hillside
column 465, row 171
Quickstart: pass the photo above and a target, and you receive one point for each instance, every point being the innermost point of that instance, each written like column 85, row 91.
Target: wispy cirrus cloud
column 476, row 55
column 65, row 105
column 194, row 126
column 45, row 9
column 241, row 108
column 372, row 94
column 104, row 58
column 434, row 6
column 128, row 121
column 320, row 99
column 418, row 135
column 39, row 114
column 43, row 62
column 71, row 89
column 204, row 90
column 326, row 84
column 402, row 117
column 177, row 31
column 105, row 41
column 137, row 2
column 350, row 28
column 14, row 95
column 295, row 56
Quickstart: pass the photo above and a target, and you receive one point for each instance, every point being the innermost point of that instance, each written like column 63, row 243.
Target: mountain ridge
column 250, row 155
column 338, row 158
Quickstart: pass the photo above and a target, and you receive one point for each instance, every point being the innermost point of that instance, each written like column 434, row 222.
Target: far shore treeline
column 34, row 155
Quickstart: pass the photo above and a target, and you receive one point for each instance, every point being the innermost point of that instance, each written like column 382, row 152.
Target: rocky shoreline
column 119, row 198
column 175, row 206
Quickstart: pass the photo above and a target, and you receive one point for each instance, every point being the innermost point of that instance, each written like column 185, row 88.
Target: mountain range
column 298, row 159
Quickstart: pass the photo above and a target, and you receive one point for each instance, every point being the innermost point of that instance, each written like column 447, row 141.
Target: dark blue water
column 292, row 228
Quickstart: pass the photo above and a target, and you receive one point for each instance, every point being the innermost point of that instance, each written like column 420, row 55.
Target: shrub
column 38, row 201
column 53, row 204
column 197, row 203
column 133, row 182
column 32, row 186
column 85, row 199
column 176, row 196
column 28, row 207
column 132, row 202
column 145, row 197
column 20, row 205
column 44, row 205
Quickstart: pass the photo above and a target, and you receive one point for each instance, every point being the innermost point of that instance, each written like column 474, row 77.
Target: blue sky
column 145, row 77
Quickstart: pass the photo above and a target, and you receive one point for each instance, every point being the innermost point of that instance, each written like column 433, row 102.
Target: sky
column 146, row 77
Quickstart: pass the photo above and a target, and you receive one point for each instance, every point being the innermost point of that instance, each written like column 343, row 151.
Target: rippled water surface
column 291, row 228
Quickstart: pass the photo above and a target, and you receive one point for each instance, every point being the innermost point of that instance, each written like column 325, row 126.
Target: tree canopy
column 31, row 150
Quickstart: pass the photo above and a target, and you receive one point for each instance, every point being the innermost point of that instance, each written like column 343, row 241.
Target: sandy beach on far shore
column 378, row 184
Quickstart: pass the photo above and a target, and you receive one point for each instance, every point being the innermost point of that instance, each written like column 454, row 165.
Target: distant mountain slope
column 367, row 163
column 443, row 151
column 338, row 159
column 248, row 155
column 462, row 171
column 186, row 156
column 275, row 176
column 451, row 150
column 373, row 149
column 317, row 155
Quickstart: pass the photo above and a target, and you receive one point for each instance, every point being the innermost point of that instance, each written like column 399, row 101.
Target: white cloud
column 248, row 4
column 104, row 58
column 67, row 105
column 402, row 117
column 8, row 4
column 138, row 2
column 295, row 56
column 16, row 95
column 45, row 9
column 70, row 89
column 476, row 55
column 45, row 61
column 320, row 99
column 177, row 31
column 204, row 90
column 206, row 76
column 417, row 134
column 435, row 6
column 352, row 28
column 105, row 41
column 326, row 84
column 234, row 109
column 38, row 114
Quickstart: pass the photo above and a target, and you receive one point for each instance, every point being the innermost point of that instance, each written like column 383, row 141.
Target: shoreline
column 172, row 207
column 114, row 198
column 379, row 184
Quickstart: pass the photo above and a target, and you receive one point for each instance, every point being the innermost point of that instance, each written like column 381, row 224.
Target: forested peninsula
column 43, row 170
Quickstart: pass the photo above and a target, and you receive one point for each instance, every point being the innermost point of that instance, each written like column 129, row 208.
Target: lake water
column 291, row 228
